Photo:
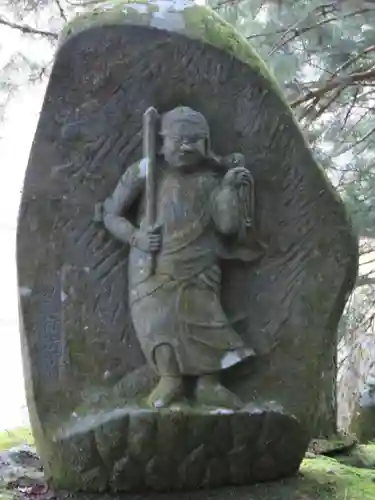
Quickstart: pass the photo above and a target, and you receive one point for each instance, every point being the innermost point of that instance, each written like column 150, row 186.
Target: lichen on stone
column 137, row 12
column 180, row 16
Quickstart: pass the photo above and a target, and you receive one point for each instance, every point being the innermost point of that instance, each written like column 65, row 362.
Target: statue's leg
column 166, row 362
column 211, row 392
column 170, row 386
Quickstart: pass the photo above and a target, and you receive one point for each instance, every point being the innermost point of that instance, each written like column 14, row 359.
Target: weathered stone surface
column 180, row 448
column 79, row 348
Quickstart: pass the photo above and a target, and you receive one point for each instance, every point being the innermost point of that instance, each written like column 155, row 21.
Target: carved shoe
column 209, row 392
column 168, row 390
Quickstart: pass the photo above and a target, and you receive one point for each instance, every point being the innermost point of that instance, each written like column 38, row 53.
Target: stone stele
column 85, row 373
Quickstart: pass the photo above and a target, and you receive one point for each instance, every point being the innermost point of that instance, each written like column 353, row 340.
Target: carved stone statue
column 202, row 215
column 160, row 290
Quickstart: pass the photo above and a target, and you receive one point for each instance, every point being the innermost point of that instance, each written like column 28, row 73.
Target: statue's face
column 184, row 150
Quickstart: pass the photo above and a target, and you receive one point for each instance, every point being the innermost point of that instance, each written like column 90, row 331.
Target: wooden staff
column 150, row 119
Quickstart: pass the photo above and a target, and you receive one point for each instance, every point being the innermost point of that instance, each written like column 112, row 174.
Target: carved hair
column 184, row 120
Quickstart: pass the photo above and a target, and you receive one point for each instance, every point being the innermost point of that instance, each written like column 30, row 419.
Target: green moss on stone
column 326, row 479
column 110, row 13
column 196, row 21
column 205, row 24
column 360, row 456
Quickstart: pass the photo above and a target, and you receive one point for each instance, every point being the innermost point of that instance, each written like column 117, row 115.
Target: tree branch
column 61, row 10
column 298, row 32
column 28, row 30
column 350, row 109
column 362, row 77
column 363, row 281
column 295, row 31
column 358, row 141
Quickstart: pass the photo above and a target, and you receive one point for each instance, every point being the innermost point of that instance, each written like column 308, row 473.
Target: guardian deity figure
column 200, row 215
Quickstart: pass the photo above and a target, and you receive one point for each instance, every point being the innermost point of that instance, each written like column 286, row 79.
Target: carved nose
column 187, row 148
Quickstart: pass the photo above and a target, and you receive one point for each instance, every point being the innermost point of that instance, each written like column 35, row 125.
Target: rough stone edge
column 80, row 442
column 200, row 23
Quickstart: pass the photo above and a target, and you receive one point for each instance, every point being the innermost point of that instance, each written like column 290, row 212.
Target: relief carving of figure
column 193, row 210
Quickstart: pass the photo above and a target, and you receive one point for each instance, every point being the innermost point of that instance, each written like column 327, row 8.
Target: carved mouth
column 187, row 155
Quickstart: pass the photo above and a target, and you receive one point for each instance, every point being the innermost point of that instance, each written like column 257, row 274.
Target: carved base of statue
column 179, row 448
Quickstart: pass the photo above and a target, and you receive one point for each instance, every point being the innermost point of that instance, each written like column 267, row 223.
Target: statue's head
column 185, row 135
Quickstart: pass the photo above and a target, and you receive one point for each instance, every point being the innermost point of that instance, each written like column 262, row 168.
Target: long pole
column 150, row 119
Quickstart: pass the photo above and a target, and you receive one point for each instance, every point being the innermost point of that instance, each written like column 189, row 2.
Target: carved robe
column 180, row 303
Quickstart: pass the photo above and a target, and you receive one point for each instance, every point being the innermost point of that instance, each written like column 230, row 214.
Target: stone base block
column 136, row 449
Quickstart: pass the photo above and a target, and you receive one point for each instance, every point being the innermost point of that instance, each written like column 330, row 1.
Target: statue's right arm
column 128, row 189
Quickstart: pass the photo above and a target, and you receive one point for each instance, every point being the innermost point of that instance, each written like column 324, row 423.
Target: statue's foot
column 210, row 392
column 168, row 390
